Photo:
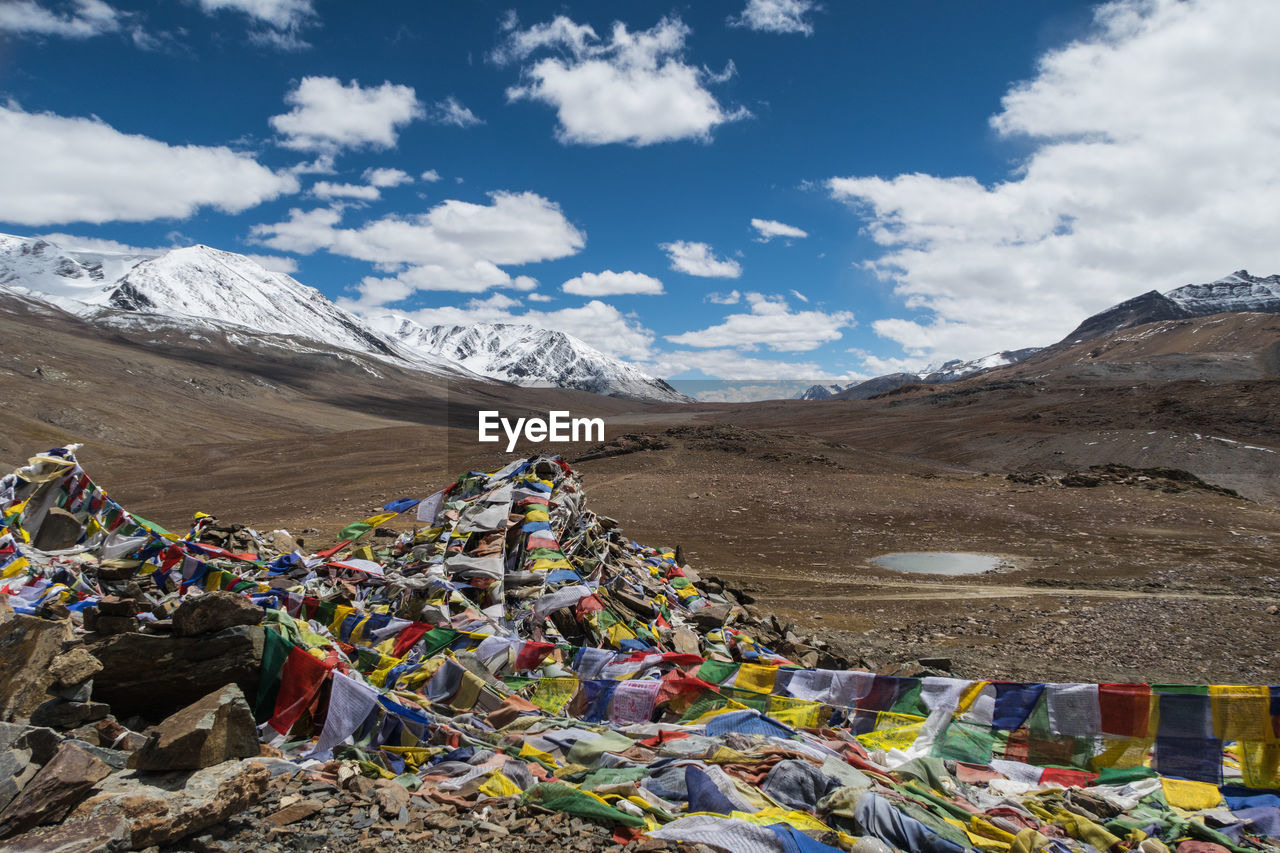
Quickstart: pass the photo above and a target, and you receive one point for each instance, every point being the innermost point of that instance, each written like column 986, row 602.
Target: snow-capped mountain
column 951, row 371
column 820, row 392
column 1233, row 293
column 1236, row 292
column 957, row 369
column 211, row 289
column 526, row 355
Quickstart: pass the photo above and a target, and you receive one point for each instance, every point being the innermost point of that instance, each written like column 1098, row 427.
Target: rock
column 111, row 625
column 686, row 641
column 118, row 570
column 214, row 611
column 711, row 617
column 295, row 812
column 96, row 835
column 941, row 664
column 61, row 714
column 110, row 605
column 179, row 671
column 391, row 796
column 215, row 729
column 82, row 692
column 12, row 764
column 62, row 783
column 164, row 807
column 28, row 647
column 59, row 530
column 283, row 541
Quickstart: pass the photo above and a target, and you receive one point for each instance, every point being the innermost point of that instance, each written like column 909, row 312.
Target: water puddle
column 939, row 563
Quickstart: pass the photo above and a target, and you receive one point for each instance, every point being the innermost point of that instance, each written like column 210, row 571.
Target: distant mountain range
column 1235, row 293
column 204, row 288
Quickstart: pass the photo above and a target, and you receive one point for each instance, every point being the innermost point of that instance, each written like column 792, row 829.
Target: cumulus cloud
column 328, row 116
column 634, row 87
column 1152, row 165
column 82, row 19
column 770, row 228
column 74, row 242
column 279, row 21
column 456, row 245
column 326, row 189
column 430, row 176
column 450, row 111
column 733, row 297
column 698, row 259
column 59, row 169
column 770, row 323
column 776, row 16
column 597, row 323
column 385, row 178
column 610, row 283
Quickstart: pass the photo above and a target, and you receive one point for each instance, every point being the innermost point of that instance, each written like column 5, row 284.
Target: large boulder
column 96, row 835
column 59, row 786
column 162, row 808
column 28, row 647
column 215, row 729
column 214, row 611
column 177, row 670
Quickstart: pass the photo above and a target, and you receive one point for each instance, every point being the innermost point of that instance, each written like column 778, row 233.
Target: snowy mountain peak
column 1236, row 292
column 526, row 355
column 209, row 284
column 820, row 392
column 201, row 286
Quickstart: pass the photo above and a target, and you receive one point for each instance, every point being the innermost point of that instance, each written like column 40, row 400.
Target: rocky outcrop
column 179, row 670
column 212, row 612
column 215, row 729
column 56, row 789
column 161, row 808
column 28, row 647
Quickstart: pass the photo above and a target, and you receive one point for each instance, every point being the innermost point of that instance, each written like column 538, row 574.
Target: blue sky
column 755, row 189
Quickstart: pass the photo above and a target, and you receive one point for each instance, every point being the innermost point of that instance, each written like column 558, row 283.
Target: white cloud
column 770, row 323
column 597, row 323
column 798, row 295
column 698, row 259
column 776, row 16
column 430, row 176
column 97, row 244
column 770, row 228
column 610, row 283
column 84, row 19
column 328, row 116
column 57, row 169
column 634, row 88
column 456, row 245
column 386, row 177
column 326, row 189
column 281, row 14
column 275, row 263
column 733, row 297
column 728, row 364
column 540, row 297
column 450, row 111
column 1153, row 165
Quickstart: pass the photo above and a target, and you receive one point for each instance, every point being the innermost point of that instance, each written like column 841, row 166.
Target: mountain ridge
column 201, row 284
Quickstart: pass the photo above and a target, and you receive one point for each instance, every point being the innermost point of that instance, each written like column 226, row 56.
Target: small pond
column 939, row 563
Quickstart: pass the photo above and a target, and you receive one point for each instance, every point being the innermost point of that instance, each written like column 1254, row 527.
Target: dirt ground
column 1109, row 583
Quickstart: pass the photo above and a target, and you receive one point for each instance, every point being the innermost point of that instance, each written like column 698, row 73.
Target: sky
column 738, row 189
